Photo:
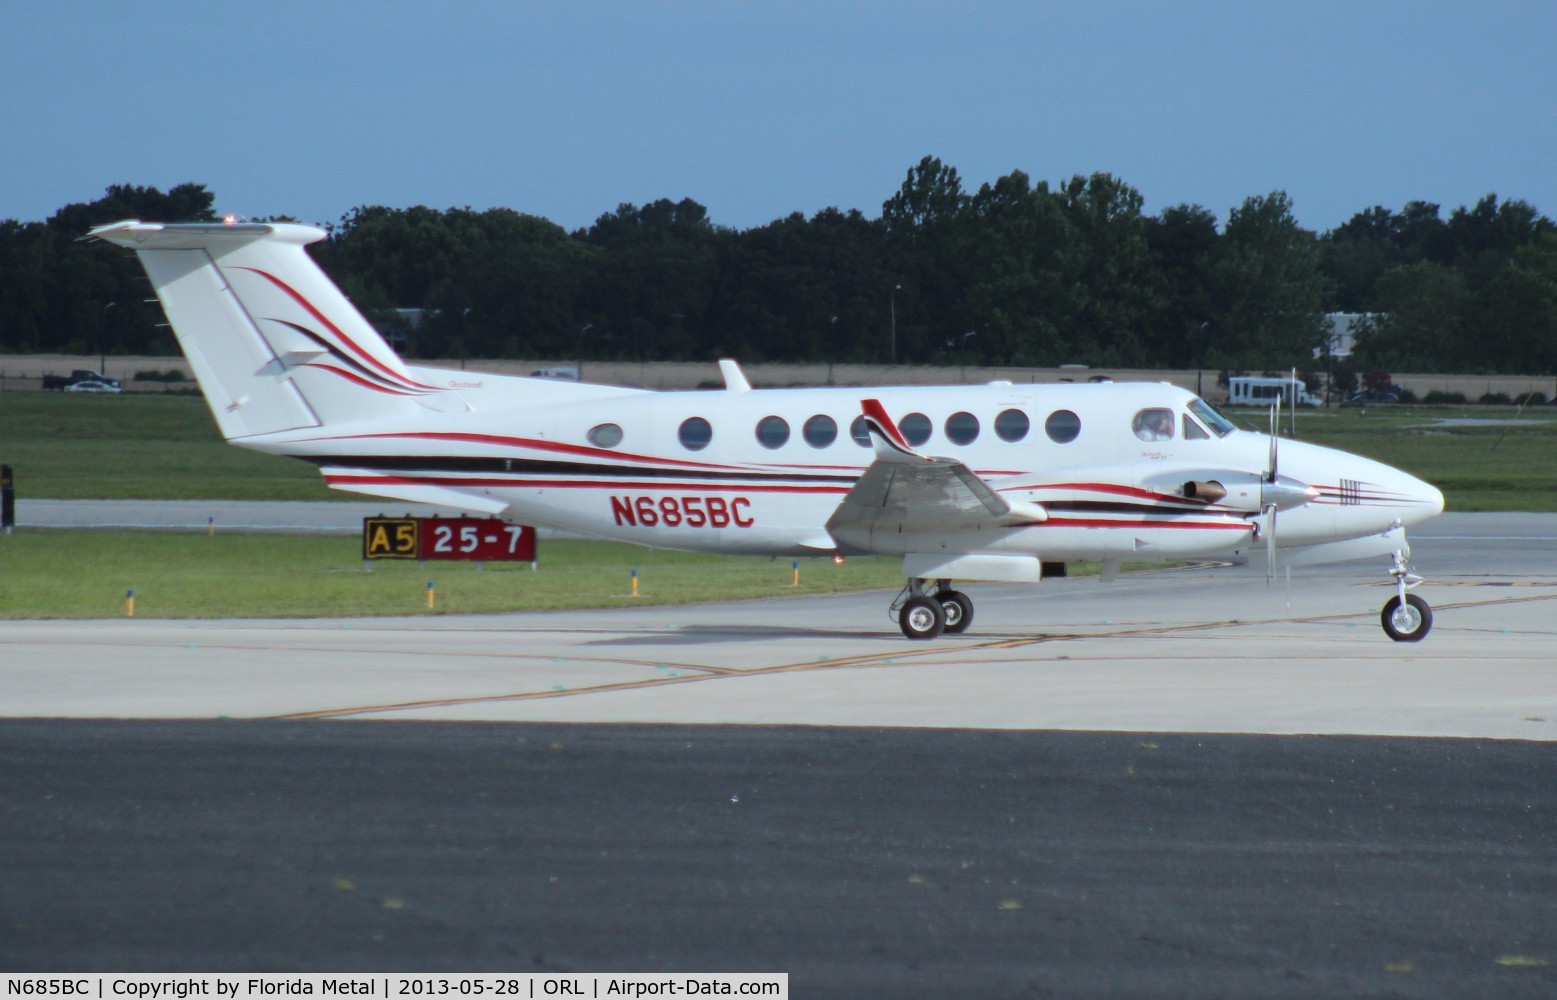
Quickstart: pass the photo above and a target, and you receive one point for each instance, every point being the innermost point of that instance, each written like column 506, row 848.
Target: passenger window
column 820, row 431
column 1012, row 425
column 915, row 428
column 858, row 432
column 1062, row 426
column 962, row 428
column 1193, row 431
column 605, row 435
column 772, row 432
column 1153, row 425
column 695, row 433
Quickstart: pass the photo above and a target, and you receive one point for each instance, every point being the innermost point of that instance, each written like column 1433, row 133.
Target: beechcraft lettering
column 961, row 483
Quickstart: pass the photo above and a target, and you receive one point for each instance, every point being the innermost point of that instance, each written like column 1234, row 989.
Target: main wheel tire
column 957, row 608
column 1408, row 622
column 921, row 618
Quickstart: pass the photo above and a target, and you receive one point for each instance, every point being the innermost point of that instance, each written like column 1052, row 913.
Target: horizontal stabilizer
column 413, row 493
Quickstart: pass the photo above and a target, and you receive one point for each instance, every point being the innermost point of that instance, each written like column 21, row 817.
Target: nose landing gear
column 1406, row 617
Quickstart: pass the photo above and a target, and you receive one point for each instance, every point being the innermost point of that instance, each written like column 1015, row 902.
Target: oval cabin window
column 605, row 435
column 772, row 432
column 1012, row 425
column 916, row 428
column 1063, row 426
column 695, row 433
column 962, row 428
column 820, row 431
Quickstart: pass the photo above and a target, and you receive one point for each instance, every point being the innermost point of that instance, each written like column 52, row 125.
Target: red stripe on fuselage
column 663, row 487
column 1097, row 522
column 534, row 445
column 1113, row 488
column 584, row 484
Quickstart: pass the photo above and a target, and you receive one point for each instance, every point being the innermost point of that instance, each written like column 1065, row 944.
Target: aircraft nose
column 1431, row 497
column 1415, row 499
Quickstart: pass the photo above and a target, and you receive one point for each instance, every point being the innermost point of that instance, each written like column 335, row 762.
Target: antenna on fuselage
column 734, row 378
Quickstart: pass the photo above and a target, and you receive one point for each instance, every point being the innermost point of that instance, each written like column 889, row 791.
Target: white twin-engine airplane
column 1037, row 475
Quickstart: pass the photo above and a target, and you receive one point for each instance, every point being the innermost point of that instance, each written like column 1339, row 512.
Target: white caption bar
column 394, row 986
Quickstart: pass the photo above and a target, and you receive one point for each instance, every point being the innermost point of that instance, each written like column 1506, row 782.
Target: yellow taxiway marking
column 887, row 658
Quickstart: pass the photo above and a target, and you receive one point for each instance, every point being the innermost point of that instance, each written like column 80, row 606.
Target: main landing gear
column 924, row 613
column 1406, row 617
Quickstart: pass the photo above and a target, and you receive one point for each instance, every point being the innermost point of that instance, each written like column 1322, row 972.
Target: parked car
column 80, row 376
column 1374, row 396
column 92, row 386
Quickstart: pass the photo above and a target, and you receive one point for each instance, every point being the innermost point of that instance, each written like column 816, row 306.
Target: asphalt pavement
column 863, row 862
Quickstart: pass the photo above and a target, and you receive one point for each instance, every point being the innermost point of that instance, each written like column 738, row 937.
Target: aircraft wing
column 905, row 493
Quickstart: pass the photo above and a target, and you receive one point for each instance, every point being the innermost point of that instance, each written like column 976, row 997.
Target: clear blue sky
column 757, row 110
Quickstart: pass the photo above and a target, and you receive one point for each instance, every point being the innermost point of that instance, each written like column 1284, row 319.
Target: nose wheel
column 1407, row 621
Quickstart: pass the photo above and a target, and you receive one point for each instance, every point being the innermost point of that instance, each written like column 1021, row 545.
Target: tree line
column 1015, row 273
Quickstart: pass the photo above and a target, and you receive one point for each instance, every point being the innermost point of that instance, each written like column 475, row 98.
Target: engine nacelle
column 1246, row 492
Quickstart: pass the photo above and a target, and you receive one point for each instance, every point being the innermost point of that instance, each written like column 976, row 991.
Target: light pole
column 1200, row 360
column 895, row 290
column 102, row 341
column 963, row 350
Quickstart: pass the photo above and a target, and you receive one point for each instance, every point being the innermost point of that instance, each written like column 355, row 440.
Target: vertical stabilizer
column 273, row 342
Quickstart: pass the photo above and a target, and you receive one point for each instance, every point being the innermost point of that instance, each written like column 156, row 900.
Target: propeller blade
column 1270, row 543
column 1275, row 425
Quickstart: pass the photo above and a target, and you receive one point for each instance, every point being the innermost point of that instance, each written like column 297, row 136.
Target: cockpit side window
column 1154, row 424
column 1193, row 431
column 1220, row 425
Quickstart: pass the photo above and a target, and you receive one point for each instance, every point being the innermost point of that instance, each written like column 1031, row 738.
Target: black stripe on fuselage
column 420, row 463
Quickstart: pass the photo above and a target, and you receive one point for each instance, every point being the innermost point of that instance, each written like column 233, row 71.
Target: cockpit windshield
column 1220, row 425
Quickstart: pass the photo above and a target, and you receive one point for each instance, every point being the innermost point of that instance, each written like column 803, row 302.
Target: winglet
column 889, row 441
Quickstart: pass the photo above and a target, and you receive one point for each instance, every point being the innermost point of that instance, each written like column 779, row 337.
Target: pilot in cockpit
column 1153, row 425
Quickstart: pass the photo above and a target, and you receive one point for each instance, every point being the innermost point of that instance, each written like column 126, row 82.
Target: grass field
column 76, row 446
column 1478, row 461
column 86, row 574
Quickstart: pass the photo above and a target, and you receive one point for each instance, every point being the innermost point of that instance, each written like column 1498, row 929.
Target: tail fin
column 272, row 341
